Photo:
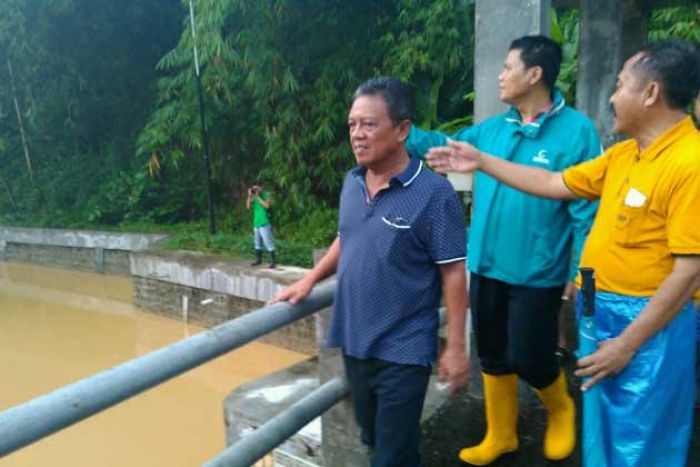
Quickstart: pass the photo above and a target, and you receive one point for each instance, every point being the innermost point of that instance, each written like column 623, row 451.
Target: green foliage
column 682, row 22
column 116, row 140
column 277, row 78
column 84, row 76
column 107, row 95
column 565, row 31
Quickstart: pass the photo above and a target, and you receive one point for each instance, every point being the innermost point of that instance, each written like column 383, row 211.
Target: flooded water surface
column 58, row 326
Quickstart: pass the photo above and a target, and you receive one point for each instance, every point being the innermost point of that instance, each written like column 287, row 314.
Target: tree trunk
column 22, row 133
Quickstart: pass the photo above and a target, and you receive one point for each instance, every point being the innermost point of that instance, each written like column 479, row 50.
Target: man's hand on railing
column 454, row 368
column 294, row 293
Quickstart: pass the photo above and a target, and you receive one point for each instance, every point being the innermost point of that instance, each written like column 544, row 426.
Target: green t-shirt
column 260, row 217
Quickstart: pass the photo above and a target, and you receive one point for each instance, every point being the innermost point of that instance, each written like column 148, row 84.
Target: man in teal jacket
column 523, row 251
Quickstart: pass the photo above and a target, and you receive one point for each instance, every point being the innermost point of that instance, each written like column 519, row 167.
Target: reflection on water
column 58, row 326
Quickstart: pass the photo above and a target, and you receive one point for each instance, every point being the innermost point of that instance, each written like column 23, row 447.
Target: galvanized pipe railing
column 26, row 423
column 275, row 431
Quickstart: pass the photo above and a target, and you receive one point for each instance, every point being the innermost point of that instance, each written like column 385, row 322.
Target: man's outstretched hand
column 457, row 156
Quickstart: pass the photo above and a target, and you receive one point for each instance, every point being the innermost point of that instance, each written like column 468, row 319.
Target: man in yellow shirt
column 645, row 248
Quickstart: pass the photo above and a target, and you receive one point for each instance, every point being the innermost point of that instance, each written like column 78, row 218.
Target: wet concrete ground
column 461, row 423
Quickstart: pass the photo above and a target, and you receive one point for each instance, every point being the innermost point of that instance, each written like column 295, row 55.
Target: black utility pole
column 205, row 136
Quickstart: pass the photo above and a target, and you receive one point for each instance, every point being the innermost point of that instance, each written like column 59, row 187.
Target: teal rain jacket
column 514, row 237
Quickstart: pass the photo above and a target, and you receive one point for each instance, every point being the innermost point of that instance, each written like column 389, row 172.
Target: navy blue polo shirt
column 391, row 246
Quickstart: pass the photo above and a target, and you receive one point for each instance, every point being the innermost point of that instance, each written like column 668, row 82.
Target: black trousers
column 388, row 399
column 516, row 329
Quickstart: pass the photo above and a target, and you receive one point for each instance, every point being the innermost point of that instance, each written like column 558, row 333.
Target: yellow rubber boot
column 501, row 401
column 560, row 437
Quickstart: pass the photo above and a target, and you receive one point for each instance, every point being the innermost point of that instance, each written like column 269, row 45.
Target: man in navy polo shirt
column 401, row 242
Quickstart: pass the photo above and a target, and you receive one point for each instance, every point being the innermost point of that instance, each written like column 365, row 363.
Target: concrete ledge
column 80, row 238
column 209, row 290
column 214, row 273
column 85, row 250
column 252, row 404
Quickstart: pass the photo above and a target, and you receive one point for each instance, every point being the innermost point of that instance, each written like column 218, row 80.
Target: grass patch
column 237, row 246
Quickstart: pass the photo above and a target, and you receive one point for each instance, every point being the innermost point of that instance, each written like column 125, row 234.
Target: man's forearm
column 670, row 297
column 538, row 182
column 455, row 294
column 328, row 264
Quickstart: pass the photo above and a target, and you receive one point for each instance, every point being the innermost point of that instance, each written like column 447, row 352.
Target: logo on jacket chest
column 541, row 157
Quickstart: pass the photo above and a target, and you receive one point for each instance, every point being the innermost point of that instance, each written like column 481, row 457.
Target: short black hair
column 540, row 51
column 674, row 63
column 396, row 94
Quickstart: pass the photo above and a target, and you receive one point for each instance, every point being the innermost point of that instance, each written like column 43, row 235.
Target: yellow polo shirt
column 649, row 209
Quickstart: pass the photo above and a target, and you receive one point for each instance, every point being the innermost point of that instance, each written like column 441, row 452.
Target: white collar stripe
column 410, row 180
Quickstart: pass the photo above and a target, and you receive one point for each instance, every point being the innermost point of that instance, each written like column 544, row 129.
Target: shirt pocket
column 628, row 225
column 398, row 223
column 396, row 237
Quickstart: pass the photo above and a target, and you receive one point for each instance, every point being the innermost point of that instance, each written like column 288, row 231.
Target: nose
column 356, row 132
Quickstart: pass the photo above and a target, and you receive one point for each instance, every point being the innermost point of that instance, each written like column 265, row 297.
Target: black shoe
column 258, row 258
column 273, row 263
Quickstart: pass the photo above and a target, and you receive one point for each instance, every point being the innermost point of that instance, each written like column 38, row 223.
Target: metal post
column 23, row 424
column 205, row 136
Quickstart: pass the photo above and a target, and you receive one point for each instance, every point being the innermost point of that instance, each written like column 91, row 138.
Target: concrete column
column 610, row 31
column 498, row 22
column 340, row 436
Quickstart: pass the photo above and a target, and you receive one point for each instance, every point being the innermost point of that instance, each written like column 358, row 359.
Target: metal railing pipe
column 275, row 431
column 28, row 422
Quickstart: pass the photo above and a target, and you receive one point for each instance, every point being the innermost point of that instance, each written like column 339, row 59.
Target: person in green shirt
column 259, row 200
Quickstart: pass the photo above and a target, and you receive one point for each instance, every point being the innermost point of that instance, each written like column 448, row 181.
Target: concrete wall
column 83, row 259
column 252, row 404
column 610, row 32
column 79, row 238
column 208, row 290
column 105, row 252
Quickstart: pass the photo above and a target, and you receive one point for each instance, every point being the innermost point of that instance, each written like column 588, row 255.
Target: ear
column 652, row 93
column 535, row 73
column 403, row 129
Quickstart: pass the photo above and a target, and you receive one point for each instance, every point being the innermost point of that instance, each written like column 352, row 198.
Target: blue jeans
column 388, row 399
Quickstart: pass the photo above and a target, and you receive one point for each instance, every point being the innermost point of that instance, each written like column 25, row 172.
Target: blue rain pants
column 647, row 409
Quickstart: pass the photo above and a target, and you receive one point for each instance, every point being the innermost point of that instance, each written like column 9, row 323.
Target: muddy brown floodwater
column 58, row 326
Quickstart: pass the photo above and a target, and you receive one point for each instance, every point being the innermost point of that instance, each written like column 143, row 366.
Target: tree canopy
column 99, row 120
